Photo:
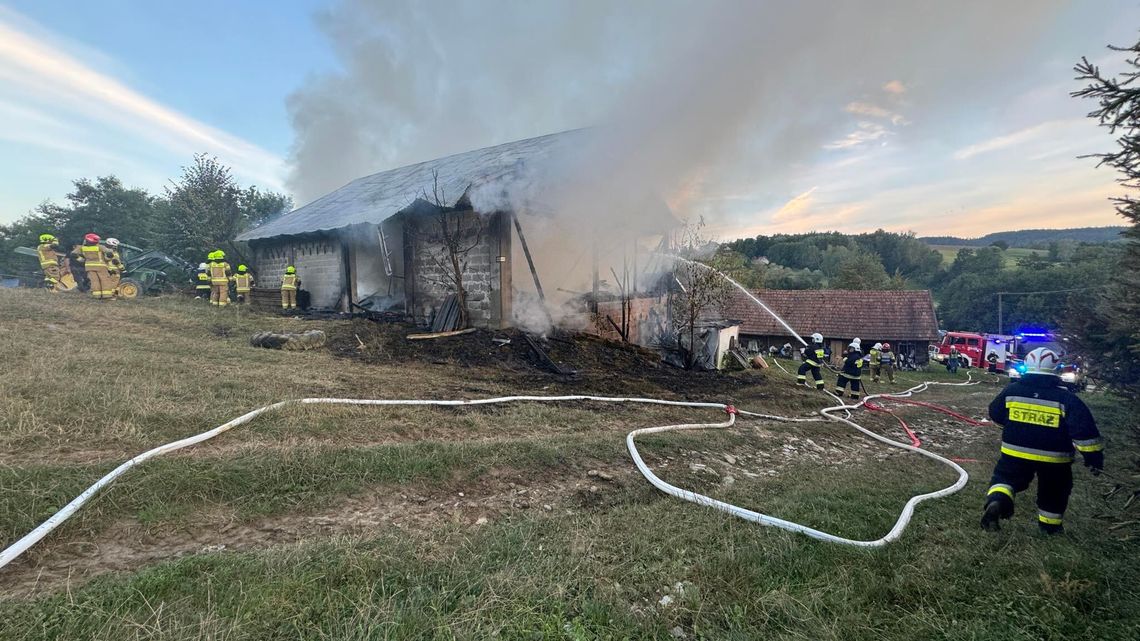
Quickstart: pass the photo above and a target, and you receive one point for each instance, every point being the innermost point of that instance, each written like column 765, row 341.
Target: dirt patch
column 600, row 365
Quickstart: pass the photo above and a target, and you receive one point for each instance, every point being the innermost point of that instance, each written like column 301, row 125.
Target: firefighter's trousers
column 801, row 376
column 1054, row 483
column 202, row 291
column 288, row 299
column 243, row 296
column 843, row 380
column 100, row 281
column 52, row 274
column 113, row 280
column 883, row 369
column 220, row 294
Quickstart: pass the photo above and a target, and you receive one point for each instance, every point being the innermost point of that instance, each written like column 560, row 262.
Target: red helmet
column 886, row 345
column 91, row 238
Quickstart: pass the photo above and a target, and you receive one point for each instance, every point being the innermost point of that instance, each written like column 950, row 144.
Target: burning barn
column 392, row 242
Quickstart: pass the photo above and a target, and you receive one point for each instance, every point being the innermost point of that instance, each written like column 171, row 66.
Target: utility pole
column 1000, row 294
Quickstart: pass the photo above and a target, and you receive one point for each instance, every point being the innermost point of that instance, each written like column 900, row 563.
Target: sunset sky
column 962, row 129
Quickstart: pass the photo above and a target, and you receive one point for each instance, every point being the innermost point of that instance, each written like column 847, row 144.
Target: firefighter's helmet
column 1042, row 361
column 47, row 238
column 203, row 266
column 242, row 269
column 290, row 270
column 878, row 346
column 887, row 346
column 91, row 239
column 817, row 338
column 112, row 242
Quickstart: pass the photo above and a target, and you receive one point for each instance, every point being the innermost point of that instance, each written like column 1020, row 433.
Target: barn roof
column 906, row 315
column 375, row 198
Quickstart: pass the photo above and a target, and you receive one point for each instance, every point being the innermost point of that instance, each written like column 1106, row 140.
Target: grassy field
column 950, row 252
column 525, row 521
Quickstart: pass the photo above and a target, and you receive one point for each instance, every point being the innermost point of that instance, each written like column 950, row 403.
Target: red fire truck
column 974, row 349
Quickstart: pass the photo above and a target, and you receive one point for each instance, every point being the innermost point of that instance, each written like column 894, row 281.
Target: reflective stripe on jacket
column 853, row 365
column 289, row 281
column 814, row 356
column 203, row 281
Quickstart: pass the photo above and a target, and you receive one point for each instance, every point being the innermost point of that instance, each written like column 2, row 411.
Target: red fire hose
column 909, row 432
column 939, row 408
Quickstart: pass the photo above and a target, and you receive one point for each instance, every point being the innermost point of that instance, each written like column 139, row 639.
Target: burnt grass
column 600, row 365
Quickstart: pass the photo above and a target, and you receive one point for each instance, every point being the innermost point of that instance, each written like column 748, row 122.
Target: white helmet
column 878, row 346
column 203, row 266
column 1042, row 361
column 856, row 342
column 853, row 345
column 817, row 338
column 111, row 242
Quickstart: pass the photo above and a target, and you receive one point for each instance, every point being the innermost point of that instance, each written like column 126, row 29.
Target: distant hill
column 1033, row 238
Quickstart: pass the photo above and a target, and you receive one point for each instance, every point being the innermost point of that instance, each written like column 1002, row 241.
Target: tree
column 701, row 291
column 1108, row 328
column 1000, row 244
column 206, row 209
column 862, row 271
column 450, row 238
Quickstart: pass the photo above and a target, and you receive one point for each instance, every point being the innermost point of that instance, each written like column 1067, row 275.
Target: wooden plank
column 421, row 337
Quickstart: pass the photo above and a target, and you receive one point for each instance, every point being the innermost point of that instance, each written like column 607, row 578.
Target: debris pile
column 312, row 339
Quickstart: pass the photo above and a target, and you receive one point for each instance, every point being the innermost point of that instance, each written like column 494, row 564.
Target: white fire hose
column 19, row 547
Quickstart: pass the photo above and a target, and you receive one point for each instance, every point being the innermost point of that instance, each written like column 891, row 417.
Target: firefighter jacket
column 115, row 262
column 243, row 282
column 853, row 364
column 886, row 357
column 814, row 355
column 203, row 279
column 290, row 281
column 875, row 356
column 1043, row 421
column 219, row 273
column 49, row 254
column 92, row 256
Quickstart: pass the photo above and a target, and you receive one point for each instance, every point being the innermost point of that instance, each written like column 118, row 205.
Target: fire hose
column 57, row 519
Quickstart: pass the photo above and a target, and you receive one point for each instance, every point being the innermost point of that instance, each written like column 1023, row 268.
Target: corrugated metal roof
column 839, row 313
column 372, row 199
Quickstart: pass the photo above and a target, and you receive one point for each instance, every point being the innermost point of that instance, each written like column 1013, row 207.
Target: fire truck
column 974, row 349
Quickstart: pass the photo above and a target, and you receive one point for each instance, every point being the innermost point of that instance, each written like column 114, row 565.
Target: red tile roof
column 906, row 315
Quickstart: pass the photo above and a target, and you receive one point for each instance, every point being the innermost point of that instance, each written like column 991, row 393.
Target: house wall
column 917, row 348
column 648, row 323
column 319, row 262
column 426, row 260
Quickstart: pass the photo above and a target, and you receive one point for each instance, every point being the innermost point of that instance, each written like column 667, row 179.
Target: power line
column 1052, row 291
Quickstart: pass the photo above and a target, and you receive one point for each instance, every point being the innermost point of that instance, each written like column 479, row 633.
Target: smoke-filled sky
column 941, row 118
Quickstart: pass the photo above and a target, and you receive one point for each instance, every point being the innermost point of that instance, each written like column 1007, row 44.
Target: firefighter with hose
column 852, row 373
column 814, row 356
column 51, row 260
column 1042, row 423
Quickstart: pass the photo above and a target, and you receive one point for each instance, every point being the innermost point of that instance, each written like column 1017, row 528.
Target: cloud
column 868, row 109
column 895, row 87
column 37, row 72
column 1040, row 131
column 794, row 207
column 865, row 132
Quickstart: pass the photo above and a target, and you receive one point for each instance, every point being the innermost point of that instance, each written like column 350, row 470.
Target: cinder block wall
column 319, row 264
column 647, row 325
column 480, row 279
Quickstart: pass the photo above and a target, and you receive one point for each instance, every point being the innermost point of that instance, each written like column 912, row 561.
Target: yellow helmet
column 221, row 254
column 290, row 270
column 47, row 238
column 212, row 256
column 242, row 268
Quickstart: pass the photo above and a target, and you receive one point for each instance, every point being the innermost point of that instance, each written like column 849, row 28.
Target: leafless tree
column 450, row 238
column 701, row 291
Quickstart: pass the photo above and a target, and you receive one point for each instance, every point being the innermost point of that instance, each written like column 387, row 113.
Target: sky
column 849, row 120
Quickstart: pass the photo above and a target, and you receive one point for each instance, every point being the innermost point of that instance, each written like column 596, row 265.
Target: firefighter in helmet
column 50, row 260
column 243, row 283
column 874, row 359
column 814, row 356
column 114, row 263
column 1042, row 423
column 851, row 376
column 94, row 258
column 219, row 279
column 202, row 282
column 289, row 285
column 886, row 363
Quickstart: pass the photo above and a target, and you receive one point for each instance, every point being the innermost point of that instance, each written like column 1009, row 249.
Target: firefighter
column 243, row 282
column 50, row 261
column 94, row 257
column 886, row 363
column 1041, row 423
column 813, row 358
column 952, row 361
column 202, row 281
column 852, row 372
column 992, row 359
column 219, row 279
column 114, row 263
column 289, row 285
column 874, row 359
